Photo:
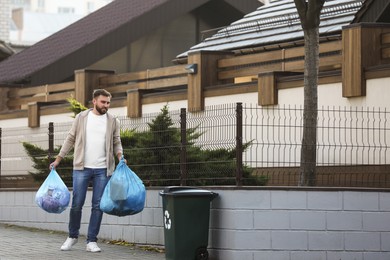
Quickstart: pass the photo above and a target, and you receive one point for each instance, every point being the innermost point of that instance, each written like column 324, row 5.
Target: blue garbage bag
column 124, row 193
column 53, row 196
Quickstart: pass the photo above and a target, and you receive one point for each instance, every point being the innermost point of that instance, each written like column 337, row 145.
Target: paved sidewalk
column 35, row 244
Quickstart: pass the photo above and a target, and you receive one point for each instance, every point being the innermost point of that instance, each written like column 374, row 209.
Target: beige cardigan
column 76, row 138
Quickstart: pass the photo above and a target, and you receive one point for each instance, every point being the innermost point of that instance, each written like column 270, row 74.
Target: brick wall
column 250, row 224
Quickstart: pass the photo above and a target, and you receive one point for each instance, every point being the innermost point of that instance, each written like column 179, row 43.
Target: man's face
column 101, row 104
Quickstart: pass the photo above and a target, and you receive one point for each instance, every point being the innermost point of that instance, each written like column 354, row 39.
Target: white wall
column 331, row 95
column 251, row 224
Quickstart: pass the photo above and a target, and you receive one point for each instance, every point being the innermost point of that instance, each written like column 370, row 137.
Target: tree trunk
column 309, row 12
column 309, row 138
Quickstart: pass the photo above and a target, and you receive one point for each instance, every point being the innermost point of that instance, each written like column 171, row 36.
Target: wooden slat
column 250, row 71
column 331, row 62
column 385, row 37
column 40, row 98
column 19, row 92
column 22, row 101
column 385, row 53
column 276, row 55
column 153, row 84
column 120, row 78
column 382, row 71
column 248, row 87
column 60, row 96
column 167, row 72
column 144, row 75
column 294, row 82
column 168, row 82
column 41, row 89
column 250, row 59
column 330, row 46
column 164, row 98
column 14, row 114
column 125, row 87
column 62, row 87
column 326, row 63
column 52, row 110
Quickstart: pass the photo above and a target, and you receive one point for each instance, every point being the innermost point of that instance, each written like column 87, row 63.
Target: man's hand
column 119, row 155
column 55, row 163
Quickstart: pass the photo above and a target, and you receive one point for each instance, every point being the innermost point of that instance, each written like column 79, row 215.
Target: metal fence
column 228, row 145
column 352, row 145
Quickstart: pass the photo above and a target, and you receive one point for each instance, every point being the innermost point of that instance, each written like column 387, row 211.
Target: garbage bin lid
column 186, row 191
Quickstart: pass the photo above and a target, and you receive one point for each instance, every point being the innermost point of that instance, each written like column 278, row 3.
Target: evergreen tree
column 154, row 155
column 41, row 163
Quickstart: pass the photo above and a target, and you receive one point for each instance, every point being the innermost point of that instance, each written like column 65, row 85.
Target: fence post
column 183, row 147
column 51, row 141
column 86, row 80
column 356, row 57
column 239, row 149
column 205, row 75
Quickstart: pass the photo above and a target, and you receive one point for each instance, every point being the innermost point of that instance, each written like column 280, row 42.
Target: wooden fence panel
column 122, row 78
column 167, row 83
column 385, row 40
column 147, row 75
column 47, row 93
column 45, row 89
column 280, row 60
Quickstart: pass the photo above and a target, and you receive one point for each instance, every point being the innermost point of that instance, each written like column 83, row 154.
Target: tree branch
column 301, row 6
column 309, row 12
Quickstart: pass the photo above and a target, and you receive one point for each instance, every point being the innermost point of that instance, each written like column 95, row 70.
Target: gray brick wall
column 248, row 224
column 298, row 224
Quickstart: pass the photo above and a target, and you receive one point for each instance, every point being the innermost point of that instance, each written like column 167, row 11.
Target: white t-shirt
column 95, row 143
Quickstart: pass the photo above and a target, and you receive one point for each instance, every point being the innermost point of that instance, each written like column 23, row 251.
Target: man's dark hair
column 101, row 92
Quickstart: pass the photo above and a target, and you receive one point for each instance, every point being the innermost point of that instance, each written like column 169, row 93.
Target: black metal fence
column 228, row 145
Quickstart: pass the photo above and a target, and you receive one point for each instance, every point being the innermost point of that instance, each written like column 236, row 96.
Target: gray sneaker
column 93, row 247
column 69, row 242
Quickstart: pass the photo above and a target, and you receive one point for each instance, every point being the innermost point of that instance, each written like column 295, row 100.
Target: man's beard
column 101, row 110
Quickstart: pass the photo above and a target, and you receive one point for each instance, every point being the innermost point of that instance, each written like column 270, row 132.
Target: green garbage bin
column 186, row 212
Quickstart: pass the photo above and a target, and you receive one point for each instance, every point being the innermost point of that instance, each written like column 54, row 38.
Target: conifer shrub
column 154, row 154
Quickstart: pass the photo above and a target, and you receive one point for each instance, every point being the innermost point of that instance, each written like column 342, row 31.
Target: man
column 95, row 136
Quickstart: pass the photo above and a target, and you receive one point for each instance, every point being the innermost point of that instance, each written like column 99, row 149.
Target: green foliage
column 75, row 106
column 41, row 163
column 155, row 156
column 40, row 156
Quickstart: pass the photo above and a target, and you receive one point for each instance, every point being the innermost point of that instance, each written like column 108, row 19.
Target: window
column 90, row 7
column 21, row 3
column 66, row 10
column 41, row 3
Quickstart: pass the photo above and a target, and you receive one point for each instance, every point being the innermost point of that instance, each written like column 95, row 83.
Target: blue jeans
column 81, row 180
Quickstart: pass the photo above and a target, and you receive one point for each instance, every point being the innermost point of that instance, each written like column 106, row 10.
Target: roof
column 275, row 23
column 97, row 35
column 374, row 11
column 5, row 50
